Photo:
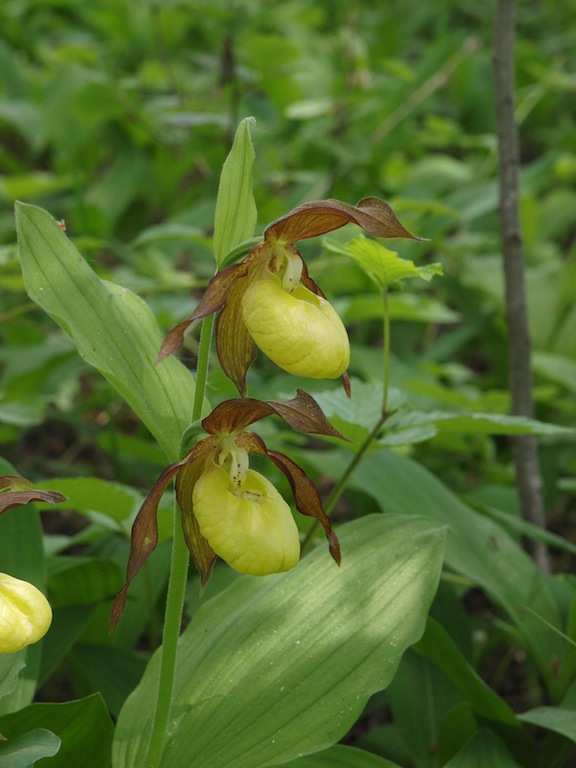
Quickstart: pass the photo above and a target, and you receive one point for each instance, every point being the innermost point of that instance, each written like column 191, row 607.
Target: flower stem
column 340, row 486
column 202, row 365
column 172, row 622
column 386, row 351
column 177, row 582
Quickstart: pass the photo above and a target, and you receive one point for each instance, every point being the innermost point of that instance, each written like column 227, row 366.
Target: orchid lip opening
column 299, row 330
column 236, row 458
column 251, row 527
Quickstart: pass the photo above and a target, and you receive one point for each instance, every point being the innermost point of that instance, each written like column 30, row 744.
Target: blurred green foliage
column 116, row 116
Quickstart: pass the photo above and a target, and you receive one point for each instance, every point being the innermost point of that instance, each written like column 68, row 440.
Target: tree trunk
column 520, row 371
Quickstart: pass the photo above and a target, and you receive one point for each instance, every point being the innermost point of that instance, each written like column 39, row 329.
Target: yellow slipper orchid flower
column 25, row 614
column 256, row 310
column 299, row 331
column 229, row 510
column 250, row 527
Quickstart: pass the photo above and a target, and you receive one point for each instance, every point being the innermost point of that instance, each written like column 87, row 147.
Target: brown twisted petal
column 202, row 553
column 318, row 217
column 306, row 495
column 302, row 413
column 144, row 536
column 213, row 299
column 235, row 347
column 22, row 492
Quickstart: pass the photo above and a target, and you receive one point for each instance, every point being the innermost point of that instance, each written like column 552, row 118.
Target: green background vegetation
column 116, row 116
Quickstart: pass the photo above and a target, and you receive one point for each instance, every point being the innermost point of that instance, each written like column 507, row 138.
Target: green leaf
column 382, row 265
column 22, row 556
column 236, row 214
column 67, row 627
column 482, row 750
column 477, row 548
column 557, row 719
column 83, row 726
column 419, row 697
column 11, row 664
column 476, row 423
column 31, row 185
column 83, row 580
column 113, row 329
column 341, row 757
column 409, row 307
column 355, row 416
column 459, row 725
column 556, row 368
column 23, row 751
column 114, row 672
column 438, row 646
column 92, row 494
column 281, row 666
column 512, row 522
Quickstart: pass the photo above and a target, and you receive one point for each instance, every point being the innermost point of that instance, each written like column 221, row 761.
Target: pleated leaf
column 278, row 667
column 113, row 329
column 341, row 757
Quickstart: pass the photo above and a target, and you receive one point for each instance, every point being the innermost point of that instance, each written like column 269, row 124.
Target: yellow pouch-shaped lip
column 25, row 614
column 299, row 331
column 250, row 527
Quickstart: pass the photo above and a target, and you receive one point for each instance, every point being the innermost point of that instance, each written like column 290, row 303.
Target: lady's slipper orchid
column 270, row 301
column 229, row 510
column 25, row 614
column 250, row 526
column 299, row 331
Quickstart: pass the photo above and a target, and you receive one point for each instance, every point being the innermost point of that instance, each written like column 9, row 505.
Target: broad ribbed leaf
column 477, row 548
column 113, row 329
column 281, row 666
column 438, row 646
column 341, row 757
column 479, row 423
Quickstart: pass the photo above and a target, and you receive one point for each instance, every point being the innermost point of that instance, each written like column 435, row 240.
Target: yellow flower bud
column 25, row 614
column 299, row 331
column 250, row 527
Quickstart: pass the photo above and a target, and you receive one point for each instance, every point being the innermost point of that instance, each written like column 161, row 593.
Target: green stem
column 177, row 582
column 338, row 489
column 340, row 486
column 202, row 366
column 386, row 351
column 172, row 622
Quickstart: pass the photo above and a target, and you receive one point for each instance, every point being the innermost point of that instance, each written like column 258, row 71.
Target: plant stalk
column 386, row 353
column 340, row 486
column 520, row 371
column 177, row 581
